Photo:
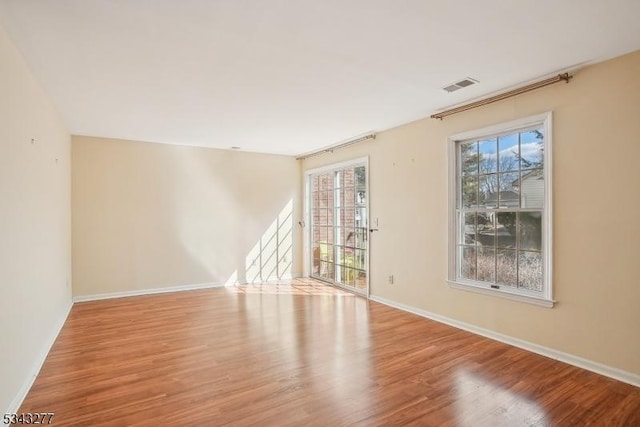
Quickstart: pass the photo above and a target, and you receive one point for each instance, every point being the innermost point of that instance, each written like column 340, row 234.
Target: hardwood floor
column 302, row 353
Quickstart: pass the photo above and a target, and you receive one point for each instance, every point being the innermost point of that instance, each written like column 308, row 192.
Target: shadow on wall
column 234, row 217
column 272, row 255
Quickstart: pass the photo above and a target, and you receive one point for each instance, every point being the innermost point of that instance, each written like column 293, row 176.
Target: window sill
column 543, row 302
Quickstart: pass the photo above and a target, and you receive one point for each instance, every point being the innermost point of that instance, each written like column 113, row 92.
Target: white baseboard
column 15, row 404
column 598, row 368
column 138, row 292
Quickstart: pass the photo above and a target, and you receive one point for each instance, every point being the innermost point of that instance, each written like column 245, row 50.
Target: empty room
column 262, row 212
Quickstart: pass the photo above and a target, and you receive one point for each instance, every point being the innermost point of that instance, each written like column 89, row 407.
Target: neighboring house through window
column 500, row 210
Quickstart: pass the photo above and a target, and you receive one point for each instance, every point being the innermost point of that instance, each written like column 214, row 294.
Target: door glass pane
column 339, row 230
column 360, row 175
column 361, row 217
column 361, row 238
column 350, row 237
column 360, row 259
column 361, row 280
column 349, row 197
column 316, row 258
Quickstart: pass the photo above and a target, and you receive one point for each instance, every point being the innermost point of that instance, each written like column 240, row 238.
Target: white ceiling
column 289, row 77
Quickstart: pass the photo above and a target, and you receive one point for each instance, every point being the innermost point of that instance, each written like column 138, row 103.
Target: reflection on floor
column 290, row 287
column 302, row 353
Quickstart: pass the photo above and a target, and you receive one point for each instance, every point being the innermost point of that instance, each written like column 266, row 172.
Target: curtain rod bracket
column 336, row 147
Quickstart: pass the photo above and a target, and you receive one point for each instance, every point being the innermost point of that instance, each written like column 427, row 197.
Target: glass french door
column 339, row 226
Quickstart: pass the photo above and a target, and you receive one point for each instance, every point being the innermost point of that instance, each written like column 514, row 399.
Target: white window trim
column 546, row 299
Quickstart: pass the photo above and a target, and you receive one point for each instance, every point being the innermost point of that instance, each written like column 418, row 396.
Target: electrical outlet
column 391, row 279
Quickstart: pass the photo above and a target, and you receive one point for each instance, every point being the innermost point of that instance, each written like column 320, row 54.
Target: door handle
column 371, row 230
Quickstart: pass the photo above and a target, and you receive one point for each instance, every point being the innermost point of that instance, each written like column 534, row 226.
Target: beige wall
column 596, row 216
column 35, row 265
column 151, row 216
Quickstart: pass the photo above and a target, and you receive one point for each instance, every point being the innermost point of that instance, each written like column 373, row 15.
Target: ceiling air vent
column 461, row 84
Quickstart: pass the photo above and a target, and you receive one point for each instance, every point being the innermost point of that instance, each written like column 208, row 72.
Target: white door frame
column 308, row 220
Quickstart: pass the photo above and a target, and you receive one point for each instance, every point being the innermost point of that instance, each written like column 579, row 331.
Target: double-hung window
column 500, row 210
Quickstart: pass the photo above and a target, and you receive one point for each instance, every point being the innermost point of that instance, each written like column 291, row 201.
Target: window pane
column 508, row 153
column 488, row 191
column 530, row 226
column 486, row 264
column 532, row 149
column 315, row 186
column 488, row 155
column 469, row 156
column 509, row 185
column 532, row 189
column 507, row 271
column 361, row 197
column 468, row 264
column 486, row 229
column 470, row 192
column 469, row 229
column 506, row 229
column 530, row 270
